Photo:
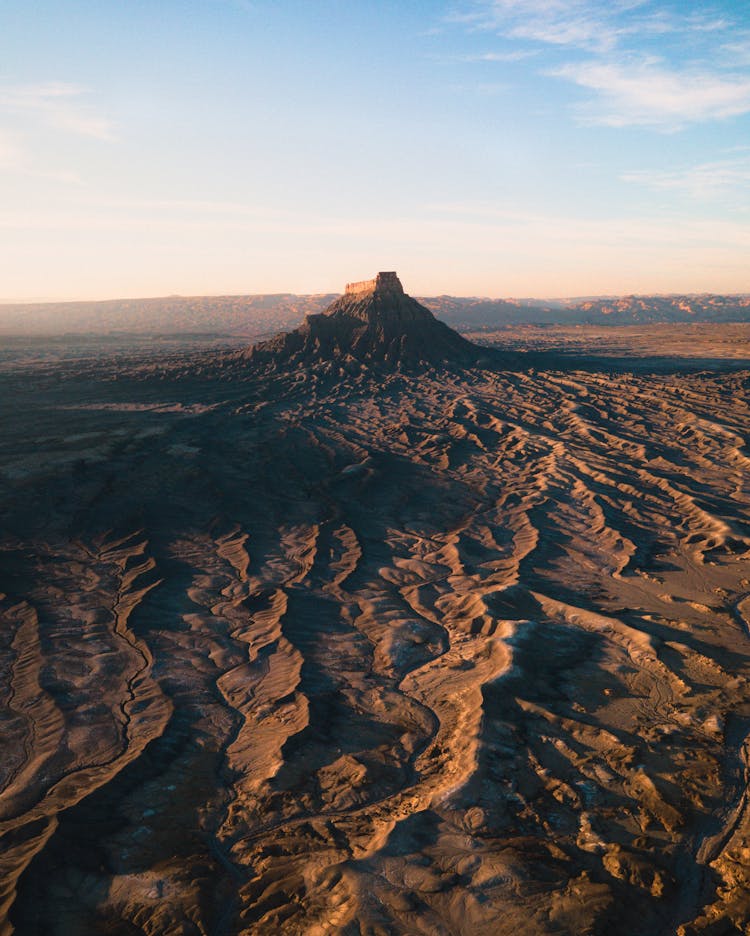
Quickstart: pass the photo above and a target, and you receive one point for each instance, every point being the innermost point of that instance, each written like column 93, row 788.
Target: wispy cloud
column 483, row 88
column 705, row 180
column 700, row 73
column 588, row 24
column 594, row 25
column 514, row 55
column 59, row 105
column 737, row 51
column 650, row 94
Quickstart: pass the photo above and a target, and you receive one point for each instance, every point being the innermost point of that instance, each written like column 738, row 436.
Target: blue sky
column 479, row 147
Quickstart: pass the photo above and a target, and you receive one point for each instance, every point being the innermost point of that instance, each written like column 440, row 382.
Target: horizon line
column 35, row 301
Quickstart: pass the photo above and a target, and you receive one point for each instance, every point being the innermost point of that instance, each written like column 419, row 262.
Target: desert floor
column 458, row 652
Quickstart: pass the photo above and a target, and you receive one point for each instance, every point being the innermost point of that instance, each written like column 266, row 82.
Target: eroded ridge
column 466, row 653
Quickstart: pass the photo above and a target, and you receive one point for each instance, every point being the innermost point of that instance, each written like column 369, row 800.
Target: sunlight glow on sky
column 479, row 147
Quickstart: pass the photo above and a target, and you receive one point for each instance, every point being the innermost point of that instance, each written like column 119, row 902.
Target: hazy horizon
column 480, row 147
column 35, row 300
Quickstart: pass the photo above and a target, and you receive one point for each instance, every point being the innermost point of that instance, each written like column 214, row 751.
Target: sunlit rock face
column 383, row 282
column 374, row 322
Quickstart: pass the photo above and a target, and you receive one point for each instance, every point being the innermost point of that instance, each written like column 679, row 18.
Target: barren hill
column 373, row 322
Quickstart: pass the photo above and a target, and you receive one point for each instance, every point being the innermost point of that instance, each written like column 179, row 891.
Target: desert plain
column 377, row 646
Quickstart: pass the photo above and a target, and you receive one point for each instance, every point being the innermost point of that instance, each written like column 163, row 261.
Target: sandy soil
column 696, row 342
column 458, row 653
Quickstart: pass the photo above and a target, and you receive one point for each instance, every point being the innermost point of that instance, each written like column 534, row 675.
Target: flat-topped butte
column 374, row 323
column 383, row 282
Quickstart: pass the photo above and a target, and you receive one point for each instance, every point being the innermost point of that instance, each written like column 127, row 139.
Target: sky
column 501, row 148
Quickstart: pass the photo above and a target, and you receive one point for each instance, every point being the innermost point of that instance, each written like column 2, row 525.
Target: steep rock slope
column 374, row 322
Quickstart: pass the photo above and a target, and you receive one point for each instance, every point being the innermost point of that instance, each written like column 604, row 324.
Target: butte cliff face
column 374, row 322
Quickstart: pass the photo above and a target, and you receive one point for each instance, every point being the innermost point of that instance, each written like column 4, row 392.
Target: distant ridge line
column 251, row 315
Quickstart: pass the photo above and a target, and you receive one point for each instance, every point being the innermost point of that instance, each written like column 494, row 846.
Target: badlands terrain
column 372, row 630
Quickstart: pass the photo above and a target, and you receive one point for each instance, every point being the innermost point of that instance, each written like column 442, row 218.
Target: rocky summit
column 374, row 322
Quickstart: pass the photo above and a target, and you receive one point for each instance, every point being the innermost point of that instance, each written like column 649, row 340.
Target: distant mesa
column 374, row 322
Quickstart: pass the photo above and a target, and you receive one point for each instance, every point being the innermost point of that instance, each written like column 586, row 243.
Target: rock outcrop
column 374, row 322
